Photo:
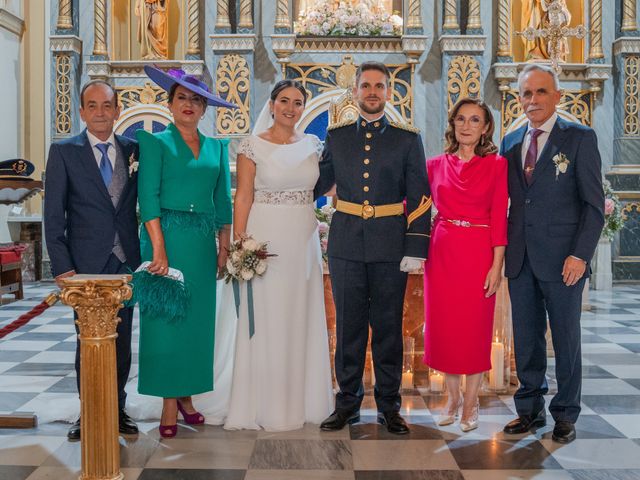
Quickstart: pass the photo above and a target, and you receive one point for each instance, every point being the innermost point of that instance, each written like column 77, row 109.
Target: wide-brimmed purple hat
column 167, row 79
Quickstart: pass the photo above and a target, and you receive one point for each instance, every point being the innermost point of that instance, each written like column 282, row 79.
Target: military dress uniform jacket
column 377, row 163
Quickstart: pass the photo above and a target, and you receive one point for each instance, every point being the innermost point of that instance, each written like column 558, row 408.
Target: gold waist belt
column 465, row 223
column 370, row 211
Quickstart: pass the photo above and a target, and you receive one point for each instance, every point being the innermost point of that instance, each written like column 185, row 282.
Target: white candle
column 407, row 380
column 436, row 382
column 373, row 373
column 496, row 375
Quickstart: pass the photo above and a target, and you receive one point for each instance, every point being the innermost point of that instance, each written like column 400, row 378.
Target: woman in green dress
column 185, row 197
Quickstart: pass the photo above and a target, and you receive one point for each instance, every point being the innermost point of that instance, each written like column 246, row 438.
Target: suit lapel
column 88, row 162
column 556, row 139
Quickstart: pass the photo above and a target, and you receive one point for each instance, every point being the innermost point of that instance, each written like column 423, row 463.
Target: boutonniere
column 562, row 163
column 133, row 165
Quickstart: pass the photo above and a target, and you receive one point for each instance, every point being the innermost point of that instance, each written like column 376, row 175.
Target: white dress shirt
column 546, row 128
column 111, row 151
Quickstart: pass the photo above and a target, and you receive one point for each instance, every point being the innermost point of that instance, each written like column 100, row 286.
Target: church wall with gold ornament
column 444, row 49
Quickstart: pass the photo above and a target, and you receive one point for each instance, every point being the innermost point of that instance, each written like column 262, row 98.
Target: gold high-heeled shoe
column 450, row 415
column 472, row 422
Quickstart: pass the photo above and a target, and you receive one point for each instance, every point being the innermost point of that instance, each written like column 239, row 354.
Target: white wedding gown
column 282, row 375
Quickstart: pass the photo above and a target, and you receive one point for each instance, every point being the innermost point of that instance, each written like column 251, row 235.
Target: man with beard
column 377, row 165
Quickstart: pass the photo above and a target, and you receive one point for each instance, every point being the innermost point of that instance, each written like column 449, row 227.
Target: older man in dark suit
column 90, row 213
column 555, row 220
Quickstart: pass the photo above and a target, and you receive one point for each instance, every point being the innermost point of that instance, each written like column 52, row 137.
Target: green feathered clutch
column 159, row 296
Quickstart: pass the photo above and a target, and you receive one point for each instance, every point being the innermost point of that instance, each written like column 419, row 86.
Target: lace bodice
column 284, row 168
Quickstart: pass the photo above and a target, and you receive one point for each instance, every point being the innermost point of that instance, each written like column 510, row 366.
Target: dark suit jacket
column 395, row 171
column 80, row 220
column 559, row 214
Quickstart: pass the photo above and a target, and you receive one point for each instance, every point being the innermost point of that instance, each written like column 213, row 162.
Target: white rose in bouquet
column 250, row 244
column 246, row 275
column 231, row 268
column 261, row 267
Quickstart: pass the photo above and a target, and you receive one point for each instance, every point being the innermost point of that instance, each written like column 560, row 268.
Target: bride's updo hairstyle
column 282, row 84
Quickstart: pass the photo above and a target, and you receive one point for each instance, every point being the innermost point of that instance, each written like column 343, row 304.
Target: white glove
column 410, row 264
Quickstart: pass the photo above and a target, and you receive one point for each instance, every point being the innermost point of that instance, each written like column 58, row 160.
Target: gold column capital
column 504, row 28
column 246, row 14
column 629, row 11
column 283, row 15
column 97, row 299
column 222, row 15
column 595, row 40
column 193, row 27
column 100, row 27
column 474, row 22
column 415, row 15
column 65, row 15
column 451, row 15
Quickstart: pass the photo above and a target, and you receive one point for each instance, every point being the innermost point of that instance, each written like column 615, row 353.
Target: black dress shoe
column 126, row 425
column 338, row 419
column 524, row 423
column 74, row 431
column 564, row 432
column 394, row 422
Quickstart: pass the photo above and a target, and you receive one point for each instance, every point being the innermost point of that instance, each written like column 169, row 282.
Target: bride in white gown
column 282, row 374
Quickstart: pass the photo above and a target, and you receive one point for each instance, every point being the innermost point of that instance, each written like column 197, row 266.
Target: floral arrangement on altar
column 324, row 216
column 327, row 19
column 613, row 217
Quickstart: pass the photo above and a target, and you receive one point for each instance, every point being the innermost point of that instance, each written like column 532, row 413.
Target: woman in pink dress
column 464, row 268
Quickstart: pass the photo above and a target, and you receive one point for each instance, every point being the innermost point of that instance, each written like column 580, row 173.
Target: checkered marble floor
column 36, row 366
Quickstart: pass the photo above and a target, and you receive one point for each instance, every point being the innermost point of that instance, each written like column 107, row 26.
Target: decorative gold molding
column 415, row 15
column 463, row 78
column 451, row 15
column 193, row 27
column 97, row 299
column 222, row 15
column 233, row 84
column 65, row 15
column 595, row 27
column 63, row 94
column 246, row 14
column 147, row 95
column 474, row 22
column 631, row 96
column 629, row 23
column 283, row 15
column 100, row 27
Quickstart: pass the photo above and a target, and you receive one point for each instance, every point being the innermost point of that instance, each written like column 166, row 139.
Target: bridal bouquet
column 613, row 216
column 247, row 259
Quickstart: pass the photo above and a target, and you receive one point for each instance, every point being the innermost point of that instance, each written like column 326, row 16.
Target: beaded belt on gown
column 283, row 197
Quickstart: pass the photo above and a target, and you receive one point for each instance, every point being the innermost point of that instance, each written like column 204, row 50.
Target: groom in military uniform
column 374, row 241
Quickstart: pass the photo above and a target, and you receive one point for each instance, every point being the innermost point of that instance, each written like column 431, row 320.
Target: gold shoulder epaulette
column 405, row 126
column 341, row 124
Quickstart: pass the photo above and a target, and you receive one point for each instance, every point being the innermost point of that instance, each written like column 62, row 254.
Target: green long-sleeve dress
column 192, row 198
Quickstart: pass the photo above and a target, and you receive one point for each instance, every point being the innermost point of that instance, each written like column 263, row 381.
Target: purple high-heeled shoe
column 190, row 418
column 168, row 431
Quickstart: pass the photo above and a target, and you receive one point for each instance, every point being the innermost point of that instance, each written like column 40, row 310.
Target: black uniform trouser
column 368, row 294
column 123, row 340
column 531, row 300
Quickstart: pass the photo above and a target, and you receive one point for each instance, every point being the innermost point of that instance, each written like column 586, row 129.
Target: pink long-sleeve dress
column 471, row 199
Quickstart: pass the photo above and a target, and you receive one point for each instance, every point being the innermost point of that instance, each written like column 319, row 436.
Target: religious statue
column 543, row 14
column 152, row 28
